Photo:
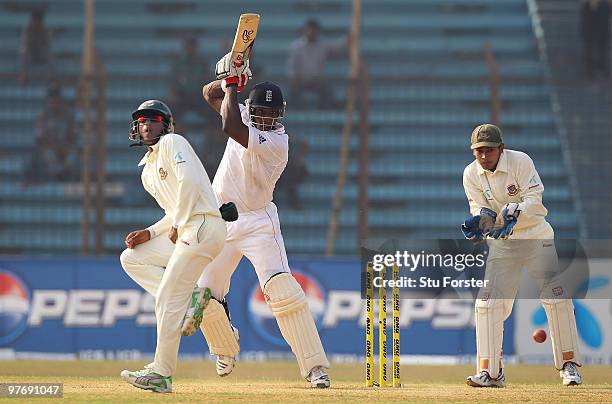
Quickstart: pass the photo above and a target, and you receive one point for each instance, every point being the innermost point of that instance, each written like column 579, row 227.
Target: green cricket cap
column 486, row 135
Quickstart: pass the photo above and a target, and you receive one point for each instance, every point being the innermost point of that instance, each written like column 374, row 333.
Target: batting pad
column 563, row 333
column 490, row 316
column 218, row 331
column 288, row 304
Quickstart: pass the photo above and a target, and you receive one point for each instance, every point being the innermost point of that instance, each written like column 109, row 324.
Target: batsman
column 504, row 193
column 256, row 154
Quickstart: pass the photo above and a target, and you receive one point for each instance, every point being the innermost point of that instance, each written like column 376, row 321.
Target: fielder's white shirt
column 247, row 176
column 514, row 180
column 174, row 175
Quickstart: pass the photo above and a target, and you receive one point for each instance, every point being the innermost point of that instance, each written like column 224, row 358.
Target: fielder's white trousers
column 536, row 252
column 255, row 235
column 169, row 272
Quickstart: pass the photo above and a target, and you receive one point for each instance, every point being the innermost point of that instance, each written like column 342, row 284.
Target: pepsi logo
column 14, row 307
column 263, row 320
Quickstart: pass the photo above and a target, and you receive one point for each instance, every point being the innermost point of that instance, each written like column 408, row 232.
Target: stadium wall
column 88, row 308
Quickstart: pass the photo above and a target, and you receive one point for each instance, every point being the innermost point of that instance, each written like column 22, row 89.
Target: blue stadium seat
column 421, row 113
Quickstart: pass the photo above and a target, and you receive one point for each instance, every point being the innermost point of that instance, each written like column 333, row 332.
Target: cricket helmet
column 151, row 109
column 266, row 95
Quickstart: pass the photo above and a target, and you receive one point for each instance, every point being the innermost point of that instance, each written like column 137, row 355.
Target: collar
column 149, row 155
column 502, row 165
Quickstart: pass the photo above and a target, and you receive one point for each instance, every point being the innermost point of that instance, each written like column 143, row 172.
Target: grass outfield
column 93, row 381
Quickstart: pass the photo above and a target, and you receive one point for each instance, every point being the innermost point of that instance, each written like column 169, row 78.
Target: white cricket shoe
column 570, row 374
column 483, row 379
column 226, row 364
column 318, row 378
column 146, row 379
column 193, row 317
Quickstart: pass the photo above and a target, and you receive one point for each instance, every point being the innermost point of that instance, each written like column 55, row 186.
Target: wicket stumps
column 382, row 329
column 369, row 326
column 395, row 301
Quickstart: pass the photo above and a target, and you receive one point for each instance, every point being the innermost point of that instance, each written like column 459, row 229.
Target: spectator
column 306, row 64
column 34, row 49
column 295, row 173
column 185, row 83
column 54, row 157
column 596, row 38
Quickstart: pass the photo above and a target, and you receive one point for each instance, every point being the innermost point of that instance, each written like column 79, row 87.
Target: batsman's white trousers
column 169, row 272
column 535, row 250
column 257, row 236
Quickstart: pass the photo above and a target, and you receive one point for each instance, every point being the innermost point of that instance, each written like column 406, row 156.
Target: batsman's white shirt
column 514, row 180
column 247, row 177
column 172, row 174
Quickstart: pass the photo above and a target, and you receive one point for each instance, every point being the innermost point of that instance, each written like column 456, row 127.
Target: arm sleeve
column 530, row 186
column 162, row 226
column 475, row 196
column 179, row 154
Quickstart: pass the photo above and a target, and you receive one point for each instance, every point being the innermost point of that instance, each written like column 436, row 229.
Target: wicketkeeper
column 504, row 192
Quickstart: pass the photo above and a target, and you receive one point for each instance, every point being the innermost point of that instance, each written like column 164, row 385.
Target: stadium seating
column 584, row 104
column 428, row 89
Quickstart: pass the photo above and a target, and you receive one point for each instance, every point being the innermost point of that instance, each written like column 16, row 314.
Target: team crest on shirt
column 512, row 190
column 162, row 173
column 261, row 139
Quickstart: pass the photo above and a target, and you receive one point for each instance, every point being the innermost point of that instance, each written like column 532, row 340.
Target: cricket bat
column 245, row 37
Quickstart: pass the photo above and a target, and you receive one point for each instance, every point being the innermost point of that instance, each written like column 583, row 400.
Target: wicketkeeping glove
column 229, row 212
column 510, row 214
column 226, row 68
column 477, row 227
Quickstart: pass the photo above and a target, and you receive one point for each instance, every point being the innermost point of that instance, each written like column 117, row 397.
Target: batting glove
column 510, row 214
column 226, row 68
column 477, row 227
column 240, row 81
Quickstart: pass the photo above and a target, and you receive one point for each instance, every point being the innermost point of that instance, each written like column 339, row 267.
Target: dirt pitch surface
column 99, row 382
